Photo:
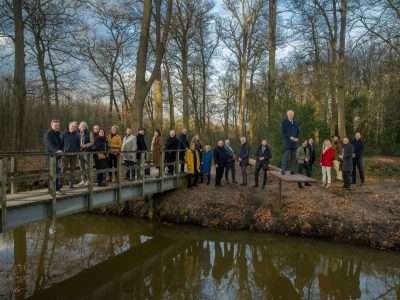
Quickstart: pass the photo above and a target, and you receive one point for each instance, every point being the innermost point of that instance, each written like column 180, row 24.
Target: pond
column 104, row 257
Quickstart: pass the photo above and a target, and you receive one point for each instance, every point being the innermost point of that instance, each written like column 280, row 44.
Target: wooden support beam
column 177, row 167
column 90, row 180
column 141, row 170
column 3, row 195
column 162, row 171
column 13, row 188
column 119, row 178
column 52, row 183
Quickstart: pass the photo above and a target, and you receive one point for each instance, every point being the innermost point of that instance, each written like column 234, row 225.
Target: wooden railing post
column 177, row 167
column 53, row 183
column 119, row 177
column 142, row 164
column 162, row 171
column 90, row 179
column 12, row 175
column 3, row 195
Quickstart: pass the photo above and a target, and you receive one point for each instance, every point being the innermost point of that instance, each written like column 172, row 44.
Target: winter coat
column 141, row 145
column 290, row 129
column 230, row 153
column 206, row 162
column 303, row 155
column 327, row 157
column 157, row 148
column 358, row 148
column 100, row 145
column 129, row 145
column 220, row 156
column 183, row 145
column 86, row 142
column 192, row 161
column 115, row 143
column 53, row 141
column 71, row 142
column 347, row 158
column 263, row 153
column 171, row 146
column 338, row 149
column 311, row 150
column 244, row 154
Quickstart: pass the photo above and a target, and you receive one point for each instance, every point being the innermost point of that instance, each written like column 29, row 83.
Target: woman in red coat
column 326, row 162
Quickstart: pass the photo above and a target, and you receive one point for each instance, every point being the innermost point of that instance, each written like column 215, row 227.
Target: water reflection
column 92, row 257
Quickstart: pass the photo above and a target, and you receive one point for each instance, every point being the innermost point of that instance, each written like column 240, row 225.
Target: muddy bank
column 368, row 216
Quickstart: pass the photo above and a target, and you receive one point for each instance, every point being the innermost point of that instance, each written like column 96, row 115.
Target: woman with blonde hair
column 326, row 162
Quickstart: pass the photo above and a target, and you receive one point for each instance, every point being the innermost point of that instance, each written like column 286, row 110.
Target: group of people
column 344, row 156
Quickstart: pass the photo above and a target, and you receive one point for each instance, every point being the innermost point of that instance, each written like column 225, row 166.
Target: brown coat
column 157, row 148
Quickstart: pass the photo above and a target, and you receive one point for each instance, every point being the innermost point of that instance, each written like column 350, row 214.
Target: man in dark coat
column 230, row 163
column 263, row 155
column 313, row 156
column 71, row 146
column 141, row 150
column 358, row 158
column 290, row 133
column 183, row 146
column 220, row 159
column 347, row 158
column 171, row 146
column 244, row 155
column 54, row 146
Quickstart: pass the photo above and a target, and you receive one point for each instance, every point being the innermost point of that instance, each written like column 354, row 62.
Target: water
column 96, row 257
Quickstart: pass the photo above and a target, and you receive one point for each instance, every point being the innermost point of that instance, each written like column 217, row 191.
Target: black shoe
column 255, row 186
column 282, row 172
column 292, row 172
column 308, row 184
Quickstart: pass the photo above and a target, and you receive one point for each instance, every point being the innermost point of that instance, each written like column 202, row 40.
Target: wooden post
column 90, row 179
column 177, row 167
column 3, row 195
column 12, row 175
column 119, row 178
column 162, row 171
column 52, row 183
column 142, row 162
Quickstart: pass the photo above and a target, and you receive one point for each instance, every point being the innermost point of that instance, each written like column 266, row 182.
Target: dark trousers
column 219, row 172
column 303, row 168
column 347, row 179
column 202, row 177
column 171, row 167
column 243, row 169
column 289, row 160
column 358, row 163
column 112, row 163
column 70, row 166
column 58, row 174
column 264, row 168
column 192, row 179
column 130, row 173
column 230, row 168
column 100, row 165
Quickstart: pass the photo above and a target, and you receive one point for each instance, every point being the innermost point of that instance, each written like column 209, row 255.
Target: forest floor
column 368, row 215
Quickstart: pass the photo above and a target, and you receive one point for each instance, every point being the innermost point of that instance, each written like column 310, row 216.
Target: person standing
column 94, row 133
column 337, row 163
column 303, row 160
column 183, row 146
column 115, row 143
column 142, row 150
column 290, row 133
column 54, row 146
column 171, row 147
column 220, row 159
column 244, row 156
column 230, row 163
column 156, row 149
column 263, row 156
column 347, row 158
column 129, row 147
column 313, row 155
column 205, row 165
column 86, row 145
column 193, row 165
column 71, row 147
column 326, row 162
column 358, row 159
column 100, row 146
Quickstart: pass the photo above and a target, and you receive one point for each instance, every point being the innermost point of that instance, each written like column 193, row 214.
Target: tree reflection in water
column 92, row 257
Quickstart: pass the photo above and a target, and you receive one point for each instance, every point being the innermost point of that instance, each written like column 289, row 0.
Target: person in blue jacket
column 290, row 133
column 206, row 162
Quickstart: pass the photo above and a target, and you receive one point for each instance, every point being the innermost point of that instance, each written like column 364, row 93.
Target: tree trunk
column 271, row 57
column 185, row 87
column 158, row 102
column 242, row 97
column 19, row 74
column 40, row 59
column 341, row 69
column 170, row 98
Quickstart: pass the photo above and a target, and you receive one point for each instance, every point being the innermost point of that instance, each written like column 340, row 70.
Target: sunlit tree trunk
column 271, row 57
column 341, row 69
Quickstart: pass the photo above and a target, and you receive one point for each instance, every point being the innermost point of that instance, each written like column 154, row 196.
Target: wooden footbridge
column 28, row 184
